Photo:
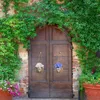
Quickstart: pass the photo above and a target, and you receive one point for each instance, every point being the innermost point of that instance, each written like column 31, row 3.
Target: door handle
column 39, row 67
column 58, row 67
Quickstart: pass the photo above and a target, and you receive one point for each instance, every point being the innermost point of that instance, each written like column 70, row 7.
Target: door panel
column 36, row 58
column 39, row 90
column 62, row 76
column 36, row 49
column 54, row 47
column 60, row 83
column 39, row 82
column 60, row 50
column 41, row 34
column 64, row 60
column 57, row 34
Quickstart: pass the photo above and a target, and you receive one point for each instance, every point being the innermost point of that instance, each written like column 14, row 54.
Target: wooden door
column 53, row 45
column 60, row 51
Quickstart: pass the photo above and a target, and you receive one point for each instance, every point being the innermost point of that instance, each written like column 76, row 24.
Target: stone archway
column 24, row 71
column 50, row 48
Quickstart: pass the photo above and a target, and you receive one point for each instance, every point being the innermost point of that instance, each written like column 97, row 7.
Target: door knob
column 39, row 67
column 58, row 67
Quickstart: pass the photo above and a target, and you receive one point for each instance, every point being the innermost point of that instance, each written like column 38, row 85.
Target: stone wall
column 24, row 70
column 76, row 71
column 1, row 7
column 23, row 74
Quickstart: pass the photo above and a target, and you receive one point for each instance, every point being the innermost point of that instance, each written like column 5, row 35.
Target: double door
column 51, row 49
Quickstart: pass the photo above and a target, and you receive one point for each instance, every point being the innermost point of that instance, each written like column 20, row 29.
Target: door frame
column 29, row 60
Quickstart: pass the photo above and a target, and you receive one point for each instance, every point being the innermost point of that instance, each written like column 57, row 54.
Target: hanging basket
column 5, row 95
column 92, row 91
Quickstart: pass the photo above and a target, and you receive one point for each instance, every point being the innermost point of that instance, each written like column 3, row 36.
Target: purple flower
column 16, row 86
column 58, row 65
column 13, row 89
column 8, row 82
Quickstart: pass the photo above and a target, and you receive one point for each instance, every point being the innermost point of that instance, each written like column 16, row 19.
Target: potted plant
column 8, row 82
column 10, row 64
column 90, row 81
column 8, row 89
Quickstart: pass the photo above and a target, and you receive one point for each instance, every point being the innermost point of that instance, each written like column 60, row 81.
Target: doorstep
column 25, row 98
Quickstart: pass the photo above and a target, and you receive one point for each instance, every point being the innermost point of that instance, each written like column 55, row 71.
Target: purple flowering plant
column 11, row 87
column 58, row 65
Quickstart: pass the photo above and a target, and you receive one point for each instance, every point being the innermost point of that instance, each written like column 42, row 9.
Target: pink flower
column 16, row 86
column 8, row 82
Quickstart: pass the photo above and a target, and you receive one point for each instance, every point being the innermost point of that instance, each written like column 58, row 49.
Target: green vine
column 17, row 4
column 82, row 17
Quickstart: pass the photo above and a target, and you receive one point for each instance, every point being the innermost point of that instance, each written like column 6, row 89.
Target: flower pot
column 5, row 95
column 92, row 91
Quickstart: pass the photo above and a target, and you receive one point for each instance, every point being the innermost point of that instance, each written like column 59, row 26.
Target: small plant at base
column 11, row 87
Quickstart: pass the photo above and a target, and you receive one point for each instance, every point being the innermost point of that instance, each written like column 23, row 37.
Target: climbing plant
column 86, row 33
column 17, row 4
column 81, row 17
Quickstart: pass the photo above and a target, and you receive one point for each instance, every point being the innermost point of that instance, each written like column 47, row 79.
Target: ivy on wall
column 86, row 33
column 82, row 17
column 17, row 4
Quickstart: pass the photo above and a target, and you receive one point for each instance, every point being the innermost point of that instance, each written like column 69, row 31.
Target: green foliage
column 82, row 17
column 89, row 78
column 13, row 31
column 11, row 87
column 86, row 34
column 17, row 4
column 9, row 59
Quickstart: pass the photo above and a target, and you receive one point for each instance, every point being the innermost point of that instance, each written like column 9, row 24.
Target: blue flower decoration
column 58, row 65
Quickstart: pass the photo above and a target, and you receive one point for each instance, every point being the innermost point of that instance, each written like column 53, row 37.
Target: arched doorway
column 50, row 47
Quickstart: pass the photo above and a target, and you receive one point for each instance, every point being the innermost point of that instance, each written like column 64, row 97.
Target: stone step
column 41, row 99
